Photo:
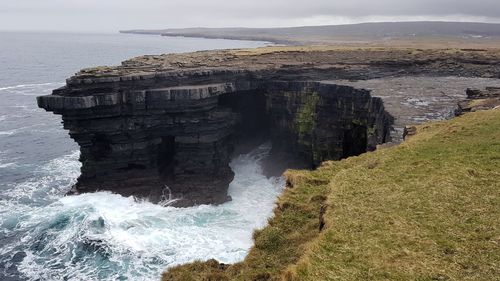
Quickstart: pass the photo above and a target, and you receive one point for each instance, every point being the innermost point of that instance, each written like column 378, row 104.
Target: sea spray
column 109, row 237
column 43, row 235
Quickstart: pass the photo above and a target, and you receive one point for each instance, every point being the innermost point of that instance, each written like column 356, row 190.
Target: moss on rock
column 306, row 117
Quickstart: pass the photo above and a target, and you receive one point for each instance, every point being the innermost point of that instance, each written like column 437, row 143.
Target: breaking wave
column 104, row 236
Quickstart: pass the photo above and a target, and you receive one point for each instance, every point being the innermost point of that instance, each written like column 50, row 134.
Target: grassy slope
column 428, row 209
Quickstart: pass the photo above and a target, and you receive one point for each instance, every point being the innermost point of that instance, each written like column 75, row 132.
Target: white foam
column 20, row 129
column 7, row 133
column 138, row 240
column 21, row 86
column 55, row 177
column 6, row 165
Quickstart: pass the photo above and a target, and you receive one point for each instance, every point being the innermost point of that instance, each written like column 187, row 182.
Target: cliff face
column 140, row 138
column 138, row 142
column 325, row 121
column 167, row 125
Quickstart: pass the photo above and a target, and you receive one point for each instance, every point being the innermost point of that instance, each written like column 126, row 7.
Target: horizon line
column 236, row 27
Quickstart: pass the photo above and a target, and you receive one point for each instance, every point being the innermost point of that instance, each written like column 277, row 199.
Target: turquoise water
column 47, row 236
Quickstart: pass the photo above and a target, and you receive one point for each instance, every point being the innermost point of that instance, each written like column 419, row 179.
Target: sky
column 114, row 15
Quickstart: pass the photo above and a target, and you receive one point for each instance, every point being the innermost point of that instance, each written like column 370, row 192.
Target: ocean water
column 45, row 235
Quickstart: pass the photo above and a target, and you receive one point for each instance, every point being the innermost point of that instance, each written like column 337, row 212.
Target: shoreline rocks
column 486, row 99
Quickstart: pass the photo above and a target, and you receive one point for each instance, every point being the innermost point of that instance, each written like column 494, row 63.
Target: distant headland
column 373, row 33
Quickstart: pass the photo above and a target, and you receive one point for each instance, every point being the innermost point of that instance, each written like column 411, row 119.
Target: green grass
column 428, row 209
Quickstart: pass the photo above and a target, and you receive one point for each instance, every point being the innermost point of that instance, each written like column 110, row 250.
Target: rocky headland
column 411, row 34
column 166, row 126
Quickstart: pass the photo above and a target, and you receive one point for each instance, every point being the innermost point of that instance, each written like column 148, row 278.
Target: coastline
column 194, row 76
column 393, row 214
column 268, row 41
column 383, row 34
column 40, row 163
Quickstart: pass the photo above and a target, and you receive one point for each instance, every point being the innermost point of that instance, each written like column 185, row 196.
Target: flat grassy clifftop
column 428, row 209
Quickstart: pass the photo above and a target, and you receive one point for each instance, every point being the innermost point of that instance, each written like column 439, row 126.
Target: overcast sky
column 113, row 15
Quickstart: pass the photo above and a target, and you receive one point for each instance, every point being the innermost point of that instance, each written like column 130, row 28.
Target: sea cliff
column 166, row 126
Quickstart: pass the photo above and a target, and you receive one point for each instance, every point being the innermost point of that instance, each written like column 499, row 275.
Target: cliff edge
column 164, row 127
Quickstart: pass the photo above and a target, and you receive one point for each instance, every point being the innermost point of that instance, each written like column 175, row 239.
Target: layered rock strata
column 140, row 140
column 165, row 126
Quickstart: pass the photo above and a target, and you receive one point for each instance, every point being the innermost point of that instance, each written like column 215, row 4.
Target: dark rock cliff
column 175, row 120
column 140, row 136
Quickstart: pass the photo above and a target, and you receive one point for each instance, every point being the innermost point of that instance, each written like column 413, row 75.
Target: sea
column 45, row 235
